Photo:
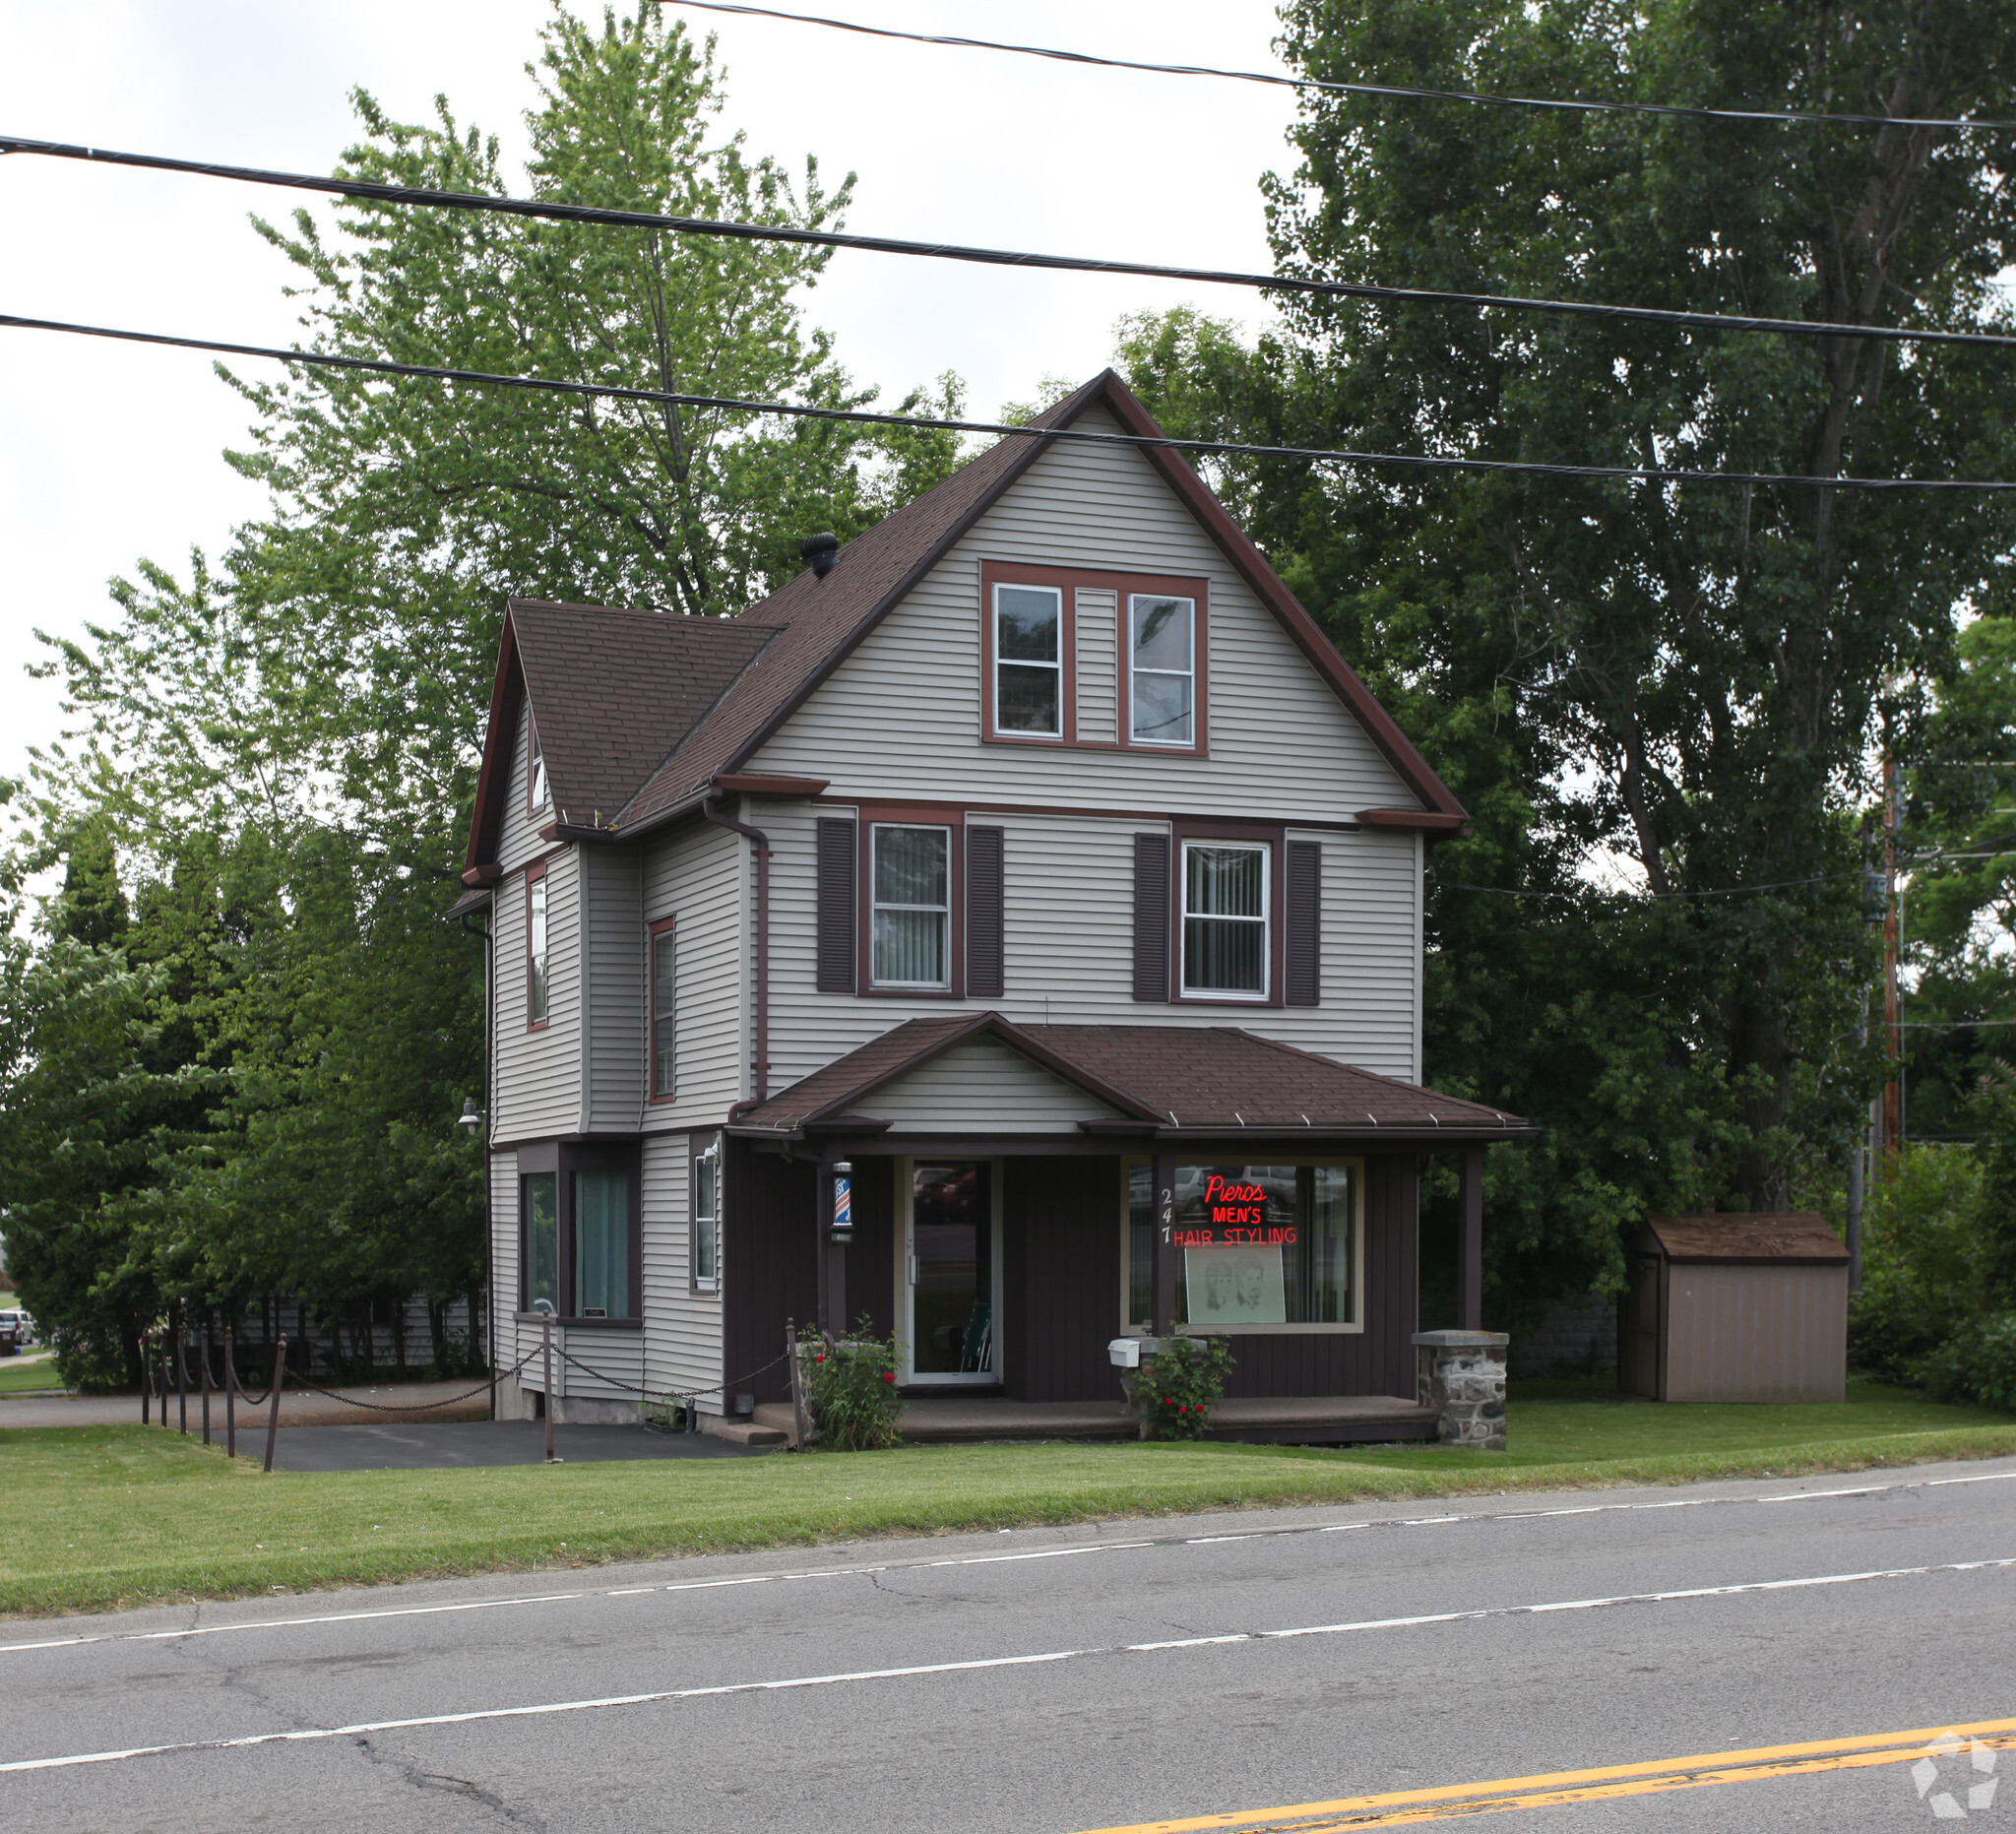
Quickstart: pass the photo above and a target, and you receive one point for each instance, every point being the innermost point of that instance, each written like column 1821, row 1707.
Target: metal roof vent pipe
column 822, row 550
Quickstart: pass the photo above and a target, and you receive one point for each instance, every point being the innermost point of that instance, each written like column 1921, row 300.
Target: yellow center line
column 1758, row 1764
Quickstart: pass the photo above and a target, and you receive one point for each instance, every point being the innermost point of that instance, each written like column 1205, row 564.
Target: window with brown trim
column 537, row 997
column 1086, row 656
column 664, row 971
column 1224, row 906
column 910, row 907
column 582, row 1244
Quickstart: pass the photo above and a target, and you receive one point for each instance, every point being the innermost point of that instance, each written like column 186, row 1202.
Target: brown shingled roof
column 612, row 691
column 1172, row 1079
column 1773, row 1235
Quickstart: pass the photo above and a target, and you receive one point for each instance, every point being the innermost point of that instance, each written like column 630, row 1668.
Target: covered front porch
column 1012, row 1199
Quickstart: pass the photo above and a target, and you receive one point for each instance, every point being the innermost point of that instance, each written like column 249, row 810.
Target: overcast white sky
column 109, row 453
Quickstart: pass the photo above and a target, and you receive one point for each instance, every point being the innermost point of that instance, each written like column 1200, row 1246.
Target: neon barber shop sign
column 1237, row 1218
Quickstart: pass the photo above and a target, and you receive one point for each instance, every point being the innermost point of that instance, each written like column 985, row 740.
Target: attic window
column 1029, row 661
column 1162, row 669
column 538, row 771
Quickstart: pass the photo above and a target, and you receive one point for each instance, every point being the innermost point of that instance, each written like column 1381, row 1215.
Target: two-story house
column 1029, row 888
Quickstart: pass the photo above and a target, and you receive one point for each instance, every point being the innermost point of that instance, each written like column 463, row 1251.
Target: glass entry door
column 952, row 1268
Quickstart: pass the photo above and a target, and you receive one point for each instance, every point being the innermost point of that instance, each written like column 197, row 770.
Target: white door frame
column 906, row 1279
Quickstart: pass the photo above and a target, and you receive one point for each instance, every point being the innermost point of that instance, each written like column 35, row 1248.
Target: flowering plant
column 851, row 1385
column 1177, row 1387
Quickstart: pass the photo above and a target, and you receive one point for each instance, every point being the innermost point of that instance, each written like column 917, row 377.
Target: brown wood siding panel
column 872, row 1260
column 1152, row 917
column 767, row 1270
column 985, row 891
column 1757, row 1333
column 1302, row 925
column 836, row 922
column 1061, row 1277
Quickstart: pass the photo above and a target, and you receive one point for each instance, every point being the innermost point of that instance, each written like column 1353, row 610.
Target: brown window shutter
column 836, row 904
column 985, row 897
column 1150, row 917
column 1303, row 937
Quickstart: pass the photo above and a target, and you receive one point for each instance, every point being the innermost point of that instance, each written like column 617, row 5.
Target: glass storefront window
column 1257, row 1244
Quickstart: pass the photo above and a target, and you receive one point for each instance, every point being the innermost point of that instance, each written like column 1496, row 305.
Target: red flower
column 889, row 1375
column 818, row 1359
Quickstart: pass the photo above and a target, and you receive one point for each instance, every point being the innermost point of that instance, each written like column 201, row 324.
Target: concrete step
column 744, row 1432
column 778, row 1414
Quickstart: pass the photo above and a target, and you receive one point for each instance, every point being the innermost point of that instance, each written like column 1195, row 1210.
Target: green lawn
column 21, row 1376
column 123, row 1515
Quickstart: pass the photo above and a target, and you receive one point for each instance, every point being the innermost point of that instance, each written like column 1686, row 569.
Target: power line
column 1350, row 89
column 992, row 257
column 1214, row 448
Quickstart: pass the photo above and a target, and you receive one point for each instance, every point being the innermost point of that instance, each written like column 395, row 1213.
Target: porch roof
column 1166, row 1082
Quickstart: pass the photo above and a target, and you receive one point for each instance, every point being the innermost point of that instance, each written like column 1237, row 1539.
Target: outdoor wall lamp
column 470, row 1118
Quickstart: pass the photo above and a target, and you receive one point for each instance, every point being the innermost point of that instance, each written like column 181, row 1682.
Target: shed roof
column 1748, row 1236
column 1171, row 1080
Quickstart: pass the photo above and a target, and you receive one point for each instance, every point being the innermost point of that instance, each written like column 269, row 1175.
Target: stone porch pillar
column 1461, row 1375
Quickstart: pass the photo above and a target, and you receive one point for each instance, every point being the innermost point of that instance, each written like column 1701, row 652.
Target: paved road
column 1056, row 1681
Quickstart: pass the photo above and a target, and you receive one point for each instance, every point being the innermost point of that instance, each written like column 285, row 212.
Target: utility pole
column 1893, row 1031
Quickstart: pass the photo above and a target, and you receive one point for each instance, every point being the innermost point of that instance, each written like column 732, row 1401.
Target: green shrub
column 850, row 1383
column 1179, row 1385
column 1978, row 1364
column 1925, row 1271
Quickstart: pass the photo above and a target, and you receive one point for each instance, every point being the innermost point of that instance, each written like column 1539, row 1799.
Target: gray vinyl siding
column 513, row 1340
column 1097, row 615
column 613, row 1042
column 613, row 1359
column 538, row 1072
column 900, row 717
column 987, row 1087
column 518, row 839
column 701, row 879
column 682, row 1328
column 1069, row 946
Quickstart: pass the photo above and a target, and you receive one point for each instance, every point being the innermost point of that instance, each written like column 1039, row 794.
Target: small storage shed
column 1740, row 1307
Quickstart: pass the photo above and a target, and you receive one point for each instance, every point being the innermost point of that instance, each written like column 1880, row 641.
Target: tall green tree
column 281, row 743
column 1675, row 688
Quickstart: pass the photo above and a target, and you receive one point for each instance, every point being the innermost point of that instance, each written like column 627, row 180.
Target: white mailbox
column 1124, row 1352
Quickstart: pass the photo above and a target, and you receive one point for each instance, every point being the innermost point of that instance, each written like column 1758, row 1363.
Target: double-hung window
column 664, row 1015
column 707, row 1219
column 1161, row 669
column 536, row 947
column 910, row 907
column 1226, row 888
column 1029, row 661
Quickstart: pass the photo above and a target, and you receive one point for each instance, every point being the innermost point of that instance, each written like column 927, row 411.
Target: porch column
column 1163, row 1322
column 1469, row 1244
column 834, row 1232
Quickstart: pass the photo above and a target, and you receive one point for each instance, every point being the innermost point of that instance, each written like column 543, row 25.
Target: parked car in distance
column 17, row 1332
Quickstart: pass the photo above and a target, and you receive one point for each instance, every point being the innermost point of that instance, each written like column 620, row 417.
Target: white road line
column 984, row 1559
column 76, row 1759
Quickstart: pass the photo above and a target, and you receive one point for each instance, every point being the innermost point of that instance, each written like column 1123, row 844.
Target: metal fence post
column 202, row 1349
column 182, row 1370
column 230, row 1395
column 146, row 1378
column 546, row 1321
column 279, row 1371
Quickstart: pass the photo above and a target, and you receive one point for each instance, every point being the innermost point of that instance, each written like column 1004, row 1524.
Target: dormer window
column 1162, row 674
column 537, row 772
column 1029, row 661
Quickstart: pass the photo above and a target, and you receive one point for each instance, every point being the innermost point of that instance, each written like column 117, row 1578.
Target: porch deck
column 1287, row 1419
